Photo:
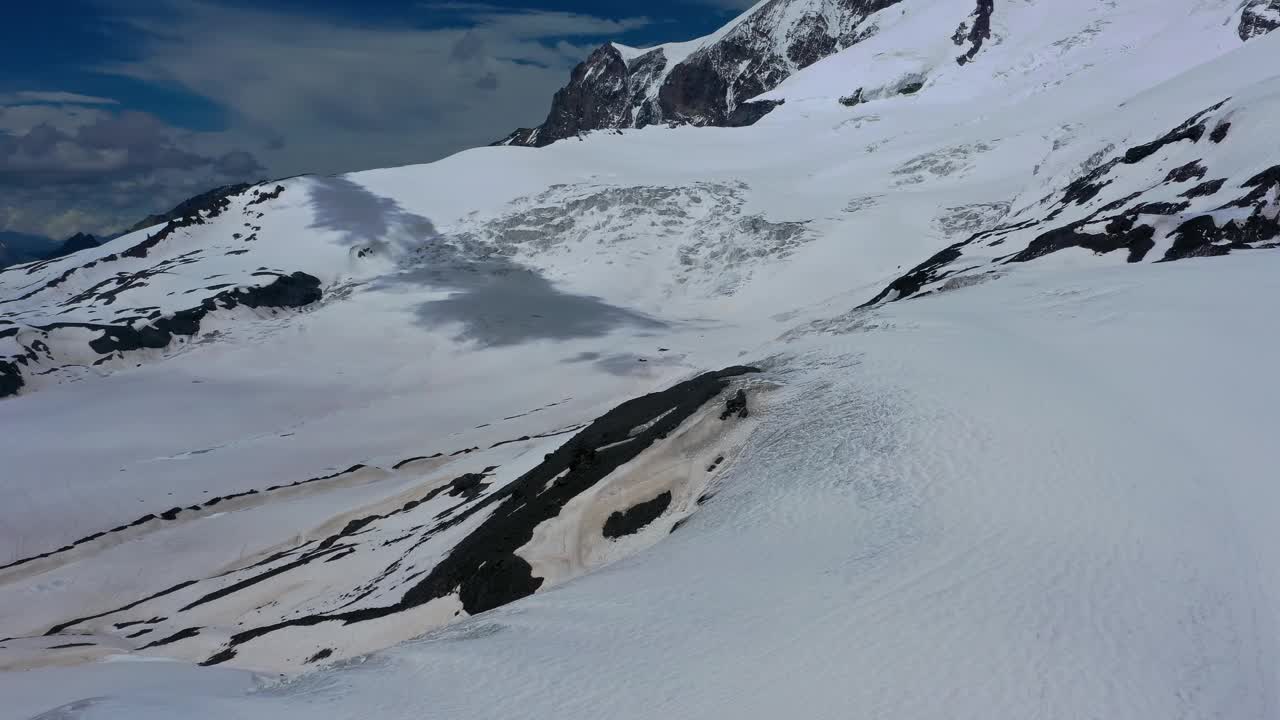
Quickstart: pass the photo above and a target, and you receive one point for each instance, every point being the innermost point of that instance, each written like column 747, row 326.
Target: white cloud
column 306, row 93
column 344, row 97
column 26, row 97
column 68, row 168
column 20, row 119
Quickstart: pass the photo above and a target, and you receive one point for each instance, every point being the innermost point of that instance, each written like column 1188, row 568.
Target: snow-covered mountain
column 927, row 394
column 711, row 80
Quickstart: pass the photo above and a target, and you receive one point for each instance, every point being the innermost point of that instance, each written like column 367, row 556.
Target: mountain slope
column 692, row 421
column 192, row 205
column 713, row 80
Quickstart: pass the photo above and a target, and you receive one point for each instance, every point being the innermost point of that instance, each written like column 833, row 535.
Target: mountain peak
column 190, row 206
column 709, row 81
column 75, row 243
column 595, row 98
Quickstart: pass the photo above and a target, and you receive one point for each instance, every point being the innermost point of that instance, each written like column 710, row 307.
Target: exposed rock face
column 596, row 97
column 749, row 113
column 711, row 86
column 976, row 33
column 635, row 518
column 484, row 569
column 645, row 74
column 1259, row 18
column 10, row 379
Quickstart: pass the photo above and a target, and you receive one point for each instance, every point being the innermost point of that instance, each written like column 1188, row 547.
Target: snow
column 1025, row 495
column 677, row 52
column 1041, row 491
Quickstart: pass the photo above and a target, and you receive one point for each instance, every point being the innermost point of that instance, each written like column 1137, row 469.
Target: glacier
column 942, row 390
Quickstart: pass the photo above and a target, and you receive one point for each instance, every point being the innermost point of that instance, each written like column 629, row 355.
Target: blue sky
column 112, row 109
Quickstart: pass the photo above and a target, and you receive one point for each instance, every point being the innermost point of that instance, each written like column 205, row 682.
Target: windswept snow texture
column 945, row 390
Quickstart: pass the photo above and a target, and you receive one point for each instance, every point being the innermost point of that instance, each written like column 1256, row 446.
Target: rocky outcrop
column 975, row 34
column 711, row 86
column 10, row 379
column 596, row 97
column 191, row 206
column 1259, row 18
column 749, row 113
column 484, row 569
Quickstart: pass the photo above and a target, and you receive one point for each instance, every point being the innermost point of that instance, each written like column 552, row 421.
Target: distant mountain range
column 17, row 248
column 187, row 207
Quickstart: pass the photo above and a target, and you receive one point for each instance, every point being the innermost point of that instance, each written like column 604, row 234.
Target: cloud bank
column 305, row 93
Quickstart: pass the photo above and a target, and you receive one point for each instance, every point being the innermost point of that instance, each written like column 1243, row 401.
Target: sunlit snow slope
column 942, row 391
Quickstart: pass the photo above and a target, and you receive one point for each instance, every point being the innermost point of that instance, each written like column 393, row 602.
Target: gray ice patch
column 499, row 303
column 496, row 301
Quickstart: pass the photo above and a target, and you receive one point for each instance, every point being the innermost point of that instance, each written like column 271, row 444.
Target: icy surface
column 997, row 462
column 1023, row 496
